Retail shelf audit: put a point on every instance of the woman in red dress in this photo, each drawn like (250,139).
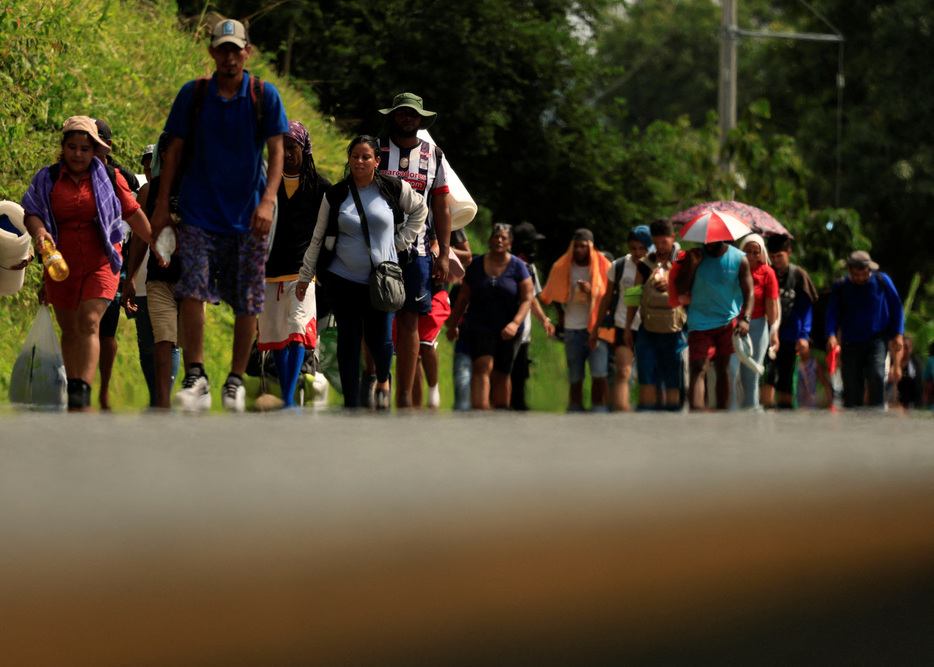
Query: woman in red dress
(77,205)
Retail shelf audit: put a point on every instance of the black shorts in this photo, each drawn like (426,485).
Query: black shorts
(483,343)
(619,341)
(111,316)
(780,371)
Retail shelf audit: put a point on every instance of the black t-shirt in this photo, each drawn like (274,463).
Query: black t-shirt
(295,225)
(172,272)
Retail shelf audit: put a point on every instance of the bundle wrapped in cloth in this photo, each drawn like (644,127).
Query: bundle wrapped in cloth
(15,246)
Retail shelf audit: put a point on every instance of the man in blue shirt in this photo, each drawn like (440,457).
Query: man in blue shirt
(866,311)
(225,202)
(720,281)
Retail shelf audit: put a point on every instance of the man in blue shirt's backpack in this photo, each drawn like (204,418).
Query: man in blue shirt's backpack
(866,311)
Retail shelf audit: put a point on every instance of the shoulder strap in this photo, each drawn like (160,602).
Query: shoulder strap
(112,175)
(619,266)
(362,213)
(197,105)
(791,277)
(258,97)
(194,110)
(393,192)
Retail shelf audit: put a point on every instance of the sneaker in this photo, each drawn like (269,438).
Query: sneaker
(233,395)
(433,399)
(195,394)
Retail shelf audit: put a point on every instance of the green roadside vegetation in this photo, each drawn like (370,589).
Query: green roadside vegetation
(125,62)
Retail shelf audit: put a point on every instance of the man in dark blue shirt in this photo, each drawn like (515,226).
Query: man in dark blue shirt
(225,201)
(866,311)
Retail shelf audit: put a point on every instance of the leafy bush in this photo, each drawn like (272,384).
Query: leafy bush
(124,62)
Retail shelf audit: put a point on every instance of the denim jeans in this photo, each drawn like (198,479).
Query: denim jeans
(463,371)
(577,352)
(862,366)
(743,376)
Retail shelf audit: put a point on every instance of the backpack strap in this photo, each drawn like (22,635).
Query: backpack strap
(194,110)
(112,175)
(393,191)
(258,97)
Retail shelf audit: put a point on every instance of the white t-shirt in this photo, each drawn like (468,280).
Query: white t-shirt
(577,309)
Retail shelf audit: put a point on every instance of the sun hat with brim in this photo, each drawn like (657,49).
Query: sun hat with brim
(412,101)
(860,259)
(147,152)
(86,124)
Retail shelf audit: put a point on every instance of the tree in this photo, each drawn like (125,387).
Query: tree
(512,81)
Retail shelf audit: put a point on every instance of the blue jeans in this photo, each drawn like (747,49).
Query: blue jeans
(358,319)
(863,366)
(577,352)
(463,372)
(747,378)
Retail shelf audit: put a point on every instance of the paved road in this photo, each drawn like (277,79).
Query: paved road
(329,538)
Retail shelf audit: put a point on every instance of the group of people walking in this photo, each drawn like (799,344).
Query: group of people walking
(744,307)
(222,223)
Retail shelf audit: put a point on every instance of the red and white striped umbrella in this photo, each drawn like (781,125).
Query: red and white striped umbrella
(712,226)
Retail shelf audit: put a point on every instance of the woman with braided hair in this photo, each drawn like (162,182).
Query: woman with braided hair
(287,325)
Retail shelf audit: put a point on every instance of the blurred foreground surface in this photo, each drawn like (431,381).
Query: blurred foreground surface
(326,538)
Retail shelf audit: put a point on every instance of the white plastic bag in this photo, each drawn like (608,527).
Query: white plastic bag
(39,372)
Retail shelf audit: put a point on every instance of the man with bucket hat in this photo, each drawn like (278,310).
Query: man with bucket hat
(407,156)
(226,196)
(866,312)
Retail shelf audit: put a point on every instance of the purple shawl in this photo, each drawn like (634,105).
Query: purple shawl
(37,201)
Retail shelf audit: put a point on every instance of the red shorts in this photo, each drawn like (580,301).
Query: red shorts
(429,324)
(712,343)
(89,272)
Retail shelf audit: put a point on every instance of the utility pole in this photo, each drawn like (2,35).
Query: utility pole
(730,35)
(727,101)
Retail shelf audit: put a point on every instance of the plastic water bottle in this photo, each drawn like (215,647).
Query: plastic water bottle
(54,262)
(165,244)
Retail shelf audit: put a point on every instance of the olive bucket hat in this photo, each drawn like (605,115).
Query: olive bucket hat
(412,101)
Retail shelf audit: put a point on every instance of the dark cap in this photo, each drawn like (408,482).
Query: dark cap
(583,234)
(525,234)
(103,129)
(860,259)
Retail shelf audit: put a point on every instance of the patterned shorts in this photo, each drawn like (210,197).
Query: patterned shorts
(228,267)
